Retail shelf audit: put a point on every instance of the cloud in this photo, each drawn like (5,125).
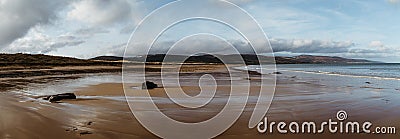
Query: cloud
(217,46)
(89,32)
(310,46)
(376,48)
(187,47)
(105,12)
(37,42)
(375,44)
(18,16)
(239,2)
(393,1)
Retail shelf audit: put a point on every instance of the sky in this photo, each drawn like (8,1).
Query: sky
(361,29)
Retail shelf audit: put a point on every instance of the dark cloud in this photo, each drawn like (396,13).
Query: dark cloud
(19,16)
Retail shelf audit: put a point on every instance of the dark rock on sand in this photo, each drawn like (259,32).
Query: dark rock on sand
(85,133)
(368,82)
(149,85)
(277,73)
(253,72)
(89,123)
(58,97)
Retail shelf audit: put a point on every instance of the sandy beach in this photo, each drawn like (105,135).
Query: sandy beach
(101,111)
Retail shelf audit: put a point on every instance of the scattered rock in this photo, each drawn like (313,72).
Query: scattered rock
(149,85)
(85,133)
(58,97)
(386,100)
(276,72)
(72,129)
(253,72)
(89,123)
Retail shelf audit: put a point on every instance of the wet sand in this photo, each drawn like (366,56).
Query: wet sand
(101,112)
